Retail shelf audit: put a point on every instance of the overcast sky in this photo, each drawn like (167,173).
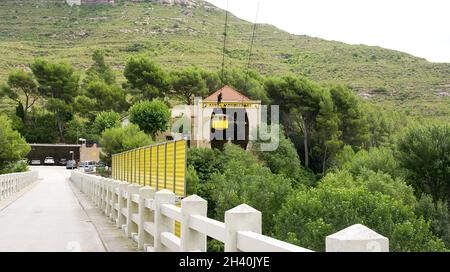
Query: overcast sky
(418,27)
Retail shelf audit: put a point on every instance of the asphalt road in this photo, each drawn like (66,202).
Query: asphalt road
(48,218)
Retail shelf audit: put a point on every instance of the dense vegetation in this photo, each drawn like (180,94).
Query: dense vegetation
(179,37)
(341,160)
(12,148)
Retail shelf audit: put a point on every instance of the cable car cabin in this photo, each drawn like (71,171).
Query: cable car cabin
(219,122)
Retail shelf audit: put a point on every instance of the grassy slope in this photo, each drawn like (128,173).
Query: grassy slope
(177,37)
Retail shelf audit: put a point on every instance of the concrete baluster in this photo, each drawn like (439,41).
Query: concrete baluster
(356,238)
(162,223)
(133,207)
(192,240)
(240,218)
(145,215)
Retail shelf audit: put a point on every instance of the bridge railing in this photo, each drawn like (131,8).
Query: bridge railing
(14,182)
(148,218)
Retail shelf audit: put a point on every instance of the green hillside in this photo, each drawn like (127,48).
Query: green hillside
(179,36)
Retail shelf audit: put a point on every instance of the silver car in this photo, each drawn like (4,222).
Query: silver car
(71,164)
(35,162)
(49,161)
(87,166)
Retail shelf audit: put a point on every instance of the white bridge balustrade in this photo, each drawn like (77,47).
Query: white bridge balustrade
(14,182)
(148,218)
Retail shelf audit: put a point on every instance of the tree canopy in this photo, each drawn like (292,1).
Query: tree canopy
(146,78)
(13,146)
(152,117)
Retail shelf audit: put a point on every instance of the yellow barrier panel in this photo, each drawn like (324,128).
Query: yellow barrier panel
(154,165)
(177,229)
(160,166)
(180,166)
(147,166)
(170,162)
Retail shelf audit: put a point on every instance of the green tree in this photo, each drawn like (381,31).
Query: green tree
(328,133)
(424,151)
(22,88)
(188,83)
(375,159)
(249,82)
(146,78)
(205,161)
(118,139)
(297,96)
(244,180)
(56,80)
(76,128)
(100,69)
(354,127)
(59,84)
(212,80)
(285,161)
(437,214)
(13,146)
(106,120)
(107,97)
(374,182)
(63,114)
(152,117)
(85,106)
(41,127)
(308,216)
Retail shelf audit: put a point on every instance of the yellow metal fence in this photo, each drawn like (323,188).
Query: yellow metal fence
(160,166)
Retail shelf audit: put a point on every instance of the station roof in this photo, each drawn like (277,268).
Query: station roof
(228,94)
(55,145)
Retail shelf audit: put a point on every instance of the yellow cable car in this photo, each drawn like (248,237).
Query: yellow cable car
(219,122)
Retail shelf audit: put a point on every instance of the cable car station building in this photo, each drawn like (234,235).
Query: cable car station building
(224,116)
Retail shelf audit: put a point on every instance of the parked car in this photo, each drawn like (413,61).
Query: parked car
(49,161)
(35,162)
(62,162)
(87,166)
(71,164)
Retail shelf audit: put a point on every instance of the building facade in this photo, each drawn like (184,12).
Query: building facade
(224,116)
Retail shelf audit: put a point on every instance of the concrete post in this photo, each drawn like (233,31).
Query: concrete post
(240,218)
(99,189)
(114,215)
(122,201)
(105,186)
(132,227)
(145,215)
(357,238)
(162,223)
(192,240)
(107,208)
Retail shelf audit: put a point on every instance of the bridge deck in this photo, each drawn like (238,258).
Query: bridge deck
(48,218)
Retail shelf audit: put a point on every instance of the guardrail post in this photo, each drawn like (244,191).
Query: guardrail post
(114,215)
(162,223)
(104,195)
(2,179)
(240,218)
(108,197)
(145,215)
(132,227)
(122,201)
(356,238)
(192,240)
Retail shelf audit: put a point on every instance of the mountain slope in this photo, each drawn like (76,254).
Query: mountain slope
(179,36)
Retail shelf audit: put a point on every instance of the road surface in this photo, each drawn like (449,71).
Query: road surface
(48,217)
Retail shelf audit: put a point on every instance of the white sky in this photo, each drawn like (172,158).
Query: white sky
(418,27)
